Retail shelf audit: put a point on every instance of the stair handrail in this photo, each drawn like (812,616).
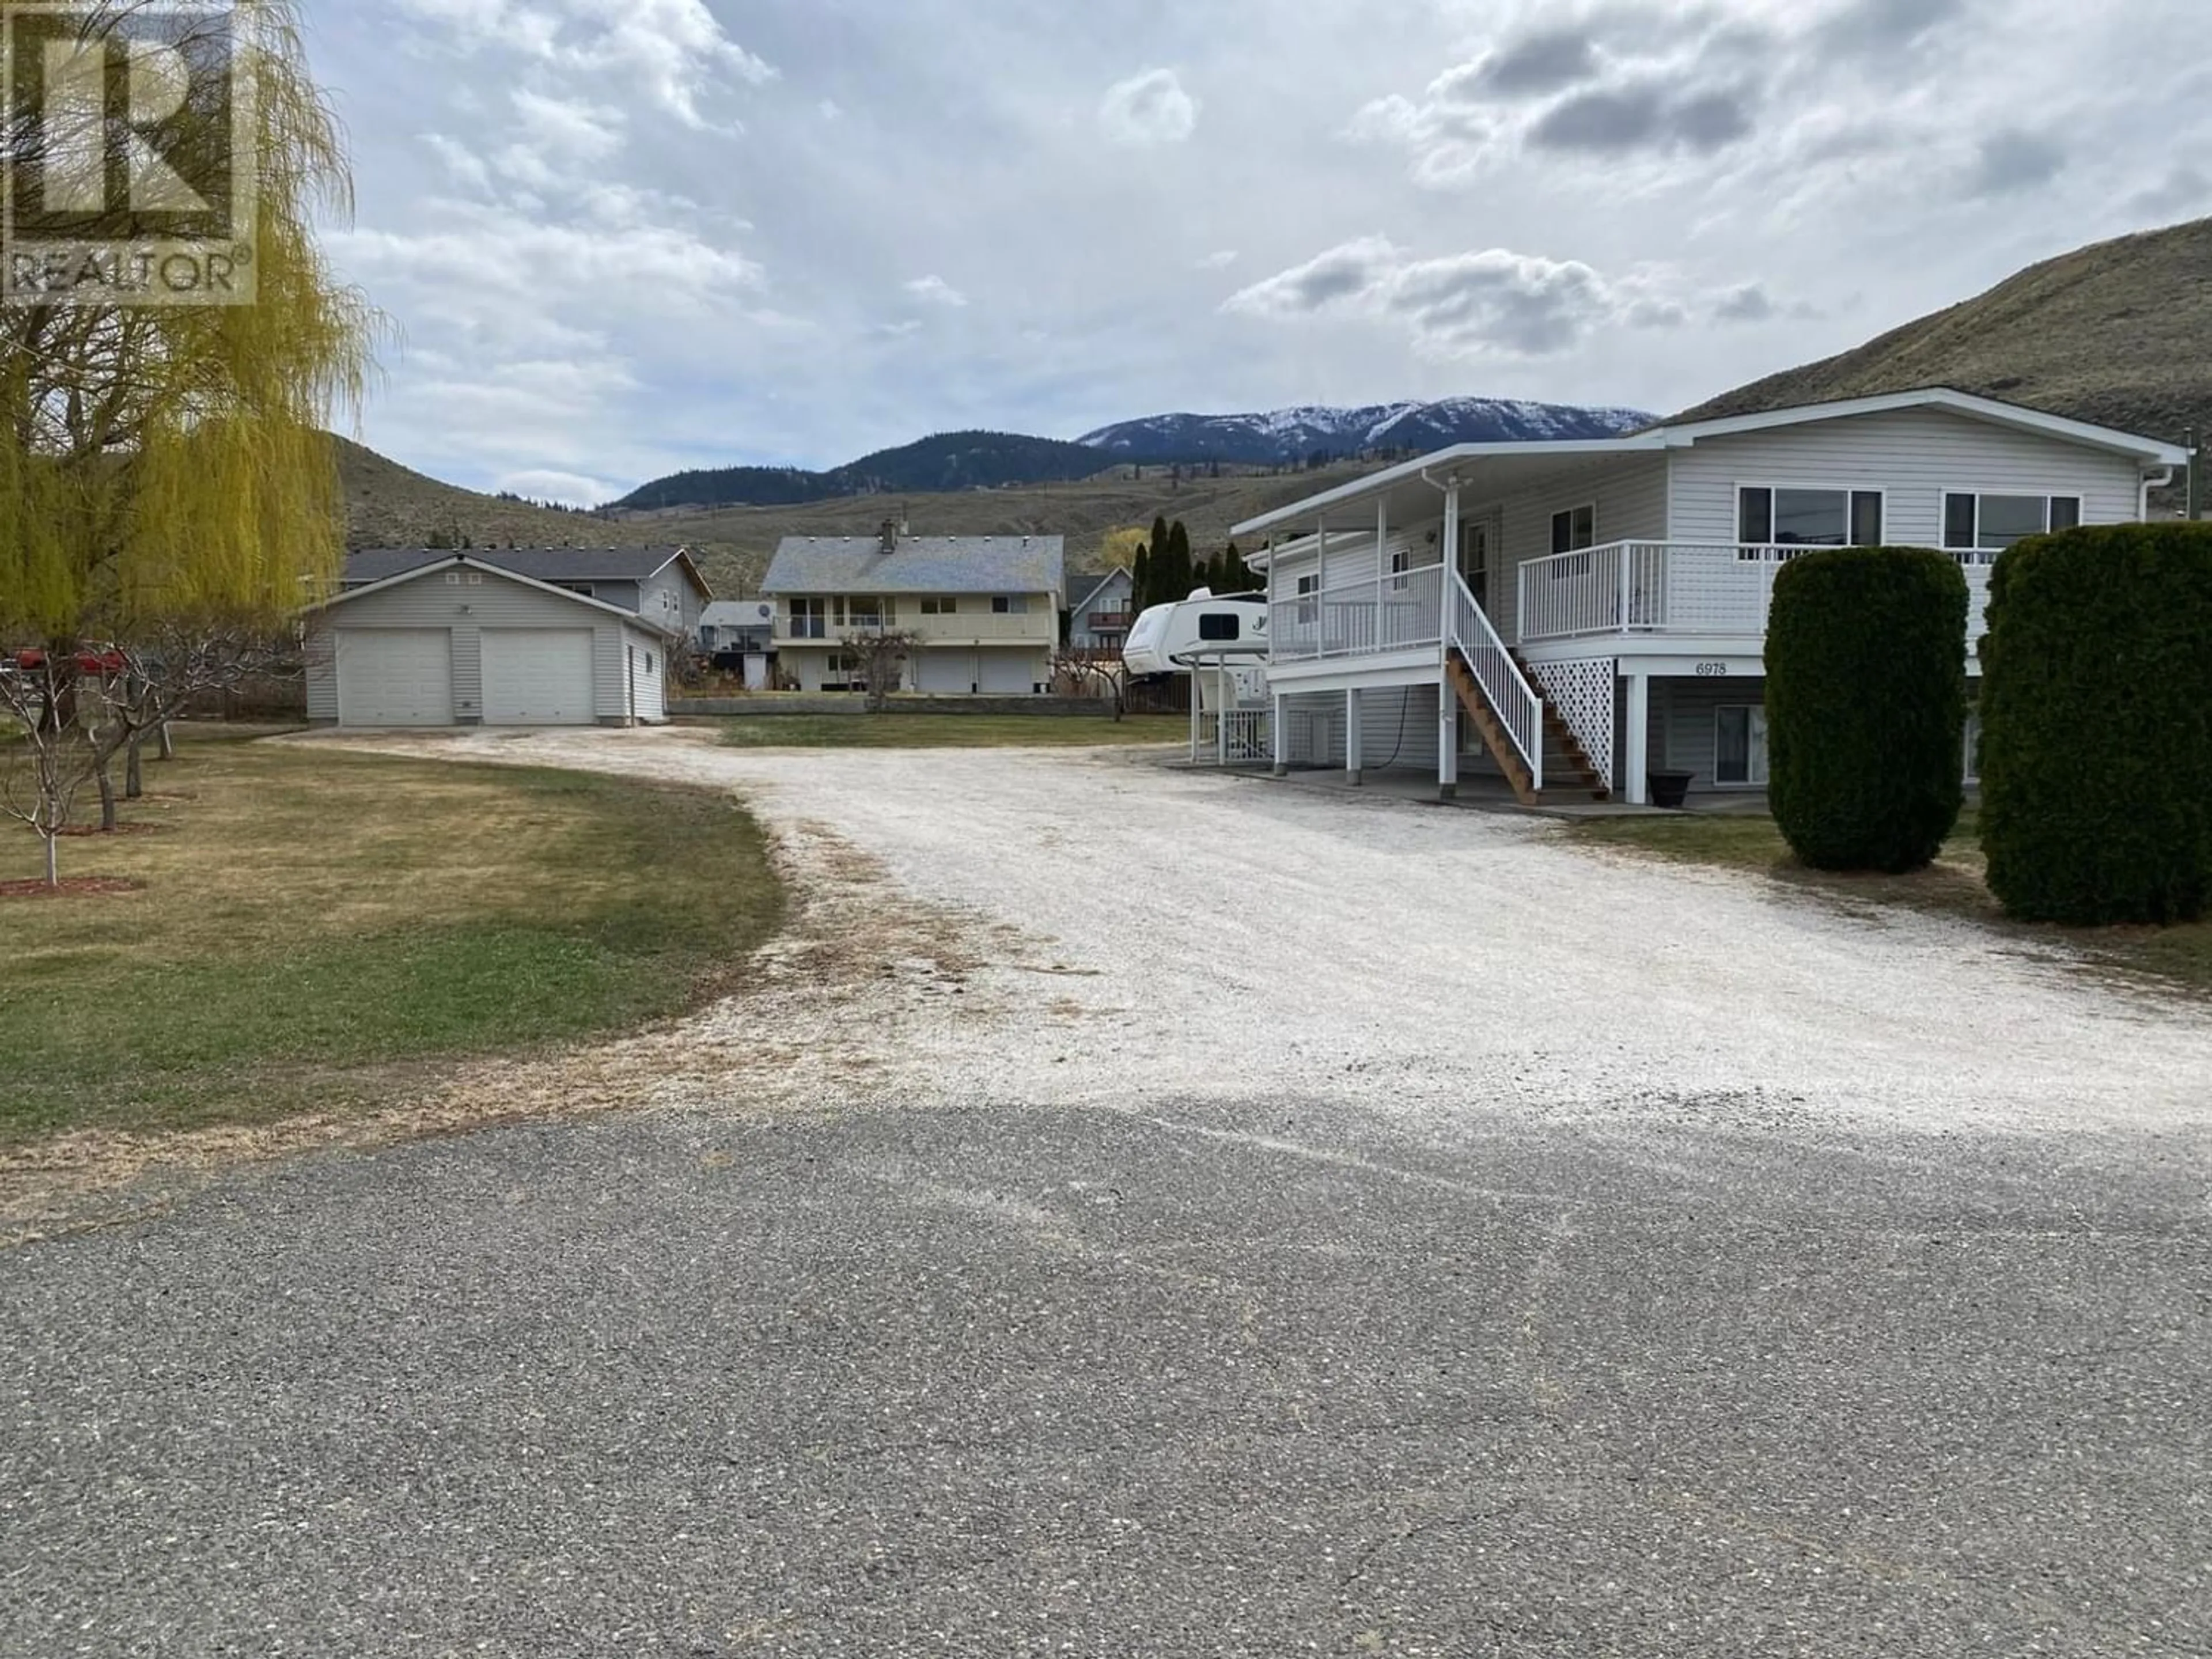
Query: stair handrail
(1515,702)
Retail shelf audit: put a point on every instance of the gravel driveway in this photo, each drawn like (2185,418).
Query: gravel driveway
(1143,1213)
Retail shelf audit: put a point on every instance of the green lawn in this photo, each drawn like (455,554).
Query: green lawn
(891,730)
(312,925)
(1955,884)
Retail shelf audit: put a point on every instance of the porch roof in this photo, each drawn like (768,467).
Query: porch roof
(1414,490)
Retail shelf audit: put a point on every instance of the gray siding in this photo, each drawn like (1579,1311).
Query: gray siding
(1913,455)
(431,600)
(1398,726)
(667,601)
(1682,737)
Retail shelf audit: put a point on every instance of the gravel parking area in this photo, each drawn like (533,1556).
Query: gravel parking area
(1148,1213)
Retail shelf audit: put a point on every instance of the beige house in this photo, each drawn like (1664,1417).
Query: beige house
(985,610)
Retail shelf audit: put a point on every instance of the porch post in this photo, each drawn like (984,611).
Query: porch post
(1447,740)
(1195,728)
(1320,588)
(1451,567)
(1381,565)
(1353,757)
(1278,731)
(1638,758)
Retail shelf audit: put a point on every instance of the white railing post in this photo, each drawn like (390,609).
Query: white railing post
(1381,565)
(1620,558)
(1444,596)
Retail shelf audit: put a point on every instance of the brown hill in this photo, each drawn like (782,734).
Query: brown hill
(2113,333)
(388,505)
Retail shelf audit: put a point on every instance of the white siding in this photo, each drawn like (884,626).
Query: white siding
(431,600)
(1630,494)
(1912,455)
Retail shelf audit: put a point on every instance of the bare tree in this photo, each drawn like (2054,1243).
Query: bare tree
(883,653)
(1092,675)
(45,750)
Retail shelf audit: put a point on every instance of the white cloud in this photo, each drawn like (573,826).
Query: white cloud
(566,489)
(674,51)
(936,291)
(1152,108)
(1220,261)
(1493,302)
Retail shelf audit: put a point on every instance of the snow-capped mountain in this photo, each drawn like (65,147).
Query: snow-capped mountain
(1283,437)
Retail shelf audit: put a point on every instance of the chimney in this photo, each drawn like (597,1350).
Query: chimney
(889,535)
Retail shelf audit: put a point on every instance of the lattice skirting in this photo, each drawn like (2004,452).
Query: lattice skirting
(1583,693)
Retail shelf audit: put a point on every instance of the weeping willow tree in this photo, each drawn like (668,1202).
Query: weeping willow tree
(165,468)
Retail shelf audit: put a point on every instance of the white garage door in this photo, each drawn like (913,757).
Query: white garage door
(947,673)
(395,676)
(1009,673)
(537,677)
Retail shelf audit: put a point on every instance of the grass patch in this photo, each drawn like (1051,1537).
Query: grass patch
(1953,885)
(897,731)
(311,925)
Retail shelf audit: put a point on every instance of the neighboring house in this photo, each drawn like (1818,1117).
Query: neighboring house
(740,625)
(659,583)
(739,636)
(465,643)
(1598,609)
(1099,621)
(986,609)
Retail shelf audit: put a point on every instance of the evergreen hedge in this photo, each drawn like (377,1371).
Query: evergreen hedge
(2096,725)
(1866,706)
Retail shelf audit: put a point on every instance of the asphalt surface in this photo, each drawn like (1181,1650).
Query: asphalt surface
(1257,1379)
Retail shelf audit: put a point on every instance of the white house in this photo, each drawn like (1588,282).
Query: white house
(1579,614)
(986,609)
(464,642)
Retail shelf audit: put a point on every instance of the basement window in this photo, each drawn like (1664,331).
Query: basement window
(1739,745)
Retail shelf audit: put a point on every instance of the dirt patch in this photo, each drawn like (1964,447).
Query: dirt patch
(71,887)
(91,831)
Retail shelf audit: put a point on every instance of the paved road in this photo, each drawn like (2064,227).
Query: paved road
(917,1365)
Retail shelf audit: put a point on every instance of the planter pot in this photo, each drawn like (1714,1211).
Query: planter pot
(1669,789)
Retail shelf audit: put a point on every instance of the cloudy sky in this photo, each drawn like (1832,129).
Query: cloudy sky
(619,237)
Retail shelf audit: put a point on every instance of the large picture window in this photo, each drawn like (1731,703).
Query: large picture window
(1768,516)
(810,619)
(1976,523)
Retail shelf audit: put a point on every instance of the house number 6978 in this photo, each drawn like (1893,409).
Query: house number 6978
(1713,670)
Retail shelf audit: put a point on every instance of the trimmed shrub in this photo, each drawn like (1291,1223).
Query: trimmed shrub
(2096,725)
(1866,706)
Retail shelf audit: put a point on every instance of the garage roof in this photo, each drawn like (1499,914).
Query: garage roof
(545,564)
(456,561)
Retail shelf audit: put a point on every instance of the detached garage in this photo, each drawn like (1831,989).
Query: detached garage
(462,643)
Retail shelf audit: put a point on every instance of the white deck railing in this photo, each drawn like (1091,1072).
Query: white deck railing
(1512,699)
(1233,736)
(1675,587)
(1359,619)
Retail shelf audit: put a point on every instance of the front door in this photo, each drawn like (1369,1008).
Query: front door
(1477,552)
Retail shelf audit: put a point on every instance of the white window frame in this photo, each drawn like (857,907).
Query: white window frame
(1746,548)
(1757,763)
(813,611)
(1010,604)
(1309,598)
(1979,554)
(1551,527)
(941,604)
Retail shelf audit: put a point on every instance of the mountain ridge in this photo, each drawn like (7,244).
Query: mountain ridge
(1286,438)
